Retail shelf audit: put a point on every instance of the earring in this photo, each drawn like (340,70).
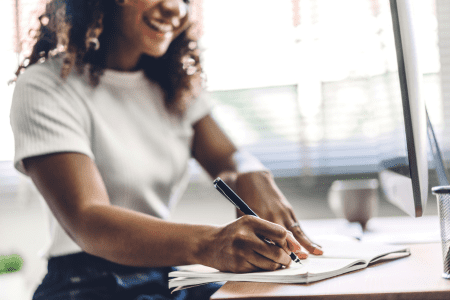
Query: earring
(92,34)
(93,43)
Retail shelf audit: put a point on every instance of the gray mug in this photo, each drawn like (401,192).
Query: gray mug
(355,200)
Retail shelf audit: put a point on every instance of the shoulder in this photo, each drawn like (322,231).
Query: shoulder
(45,80)
(48,71)
(198,108)
(40,88)
(47,75)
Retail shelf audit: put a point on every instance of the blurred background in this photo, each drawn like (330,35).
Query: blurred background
(310,87)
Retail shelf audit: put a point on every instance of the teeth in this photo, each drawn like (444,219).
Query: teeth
(163,27)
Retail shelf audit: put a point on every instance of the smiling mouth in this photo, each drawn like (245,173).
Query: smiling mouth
(158,26)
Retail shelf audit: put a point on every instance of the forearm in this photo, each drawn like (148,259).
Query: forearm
(136,239)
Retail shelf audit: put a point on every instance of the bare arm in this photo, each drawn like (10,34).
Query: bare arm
(214,151)
(74,190)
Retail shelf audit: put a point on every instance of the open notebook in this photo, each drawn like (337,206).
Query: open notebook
(339,258)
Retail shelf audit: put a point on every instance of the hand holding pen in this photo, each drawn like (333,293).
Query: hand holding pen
(229,194)
(239,246)
(261,193)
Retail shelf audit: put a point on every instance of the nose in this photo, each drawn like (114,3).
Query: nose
(174,8)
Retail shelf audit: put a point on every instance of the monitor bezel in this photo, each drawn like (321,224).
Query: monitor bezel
(414,111)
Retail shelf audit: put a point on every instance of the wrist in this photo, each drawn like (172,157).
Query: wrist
(254,178)
(258,190)
(201,244)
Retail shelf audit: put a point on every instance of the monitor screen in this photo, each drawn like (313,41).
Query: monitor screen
(405,179)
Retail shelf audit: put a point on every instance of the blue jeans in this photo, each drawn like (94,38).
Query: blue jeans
(83,276)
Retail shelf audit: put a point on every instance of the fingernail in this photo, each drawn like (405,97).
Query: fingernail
(317,251)
(301,254)
(294,242)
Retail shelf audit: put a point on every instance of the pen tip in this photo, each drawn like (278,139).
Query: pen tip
(295,258)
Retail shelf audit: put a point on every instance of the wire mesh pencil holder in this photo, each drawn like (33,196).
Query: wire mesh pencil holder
(443,198)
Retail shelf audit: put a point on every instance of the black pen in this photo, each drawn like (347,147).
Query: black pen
(228,193)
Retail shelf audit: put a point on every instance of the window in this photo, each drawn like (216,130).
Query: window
(308,86)
(311,87)
(9,63)
(15,16)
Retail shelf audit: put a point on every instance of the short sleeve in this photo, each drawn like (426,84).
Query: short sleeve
(46,117)
(198,109)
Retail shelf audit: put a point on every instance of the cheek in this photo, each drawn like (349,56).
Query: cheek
(131,27)
(143,5)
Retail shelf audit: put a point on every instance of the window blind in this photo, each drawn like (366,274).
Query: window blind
(320,96)
(310,87)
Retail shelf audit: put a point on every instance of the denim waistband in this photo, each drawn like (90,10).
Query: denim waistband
(84,276)
(81,260)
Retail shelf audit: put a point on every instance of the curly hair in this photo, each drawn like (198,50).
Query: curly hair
(66,26)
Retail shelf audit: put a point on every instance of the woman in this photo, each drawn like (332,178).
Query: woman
(105,115)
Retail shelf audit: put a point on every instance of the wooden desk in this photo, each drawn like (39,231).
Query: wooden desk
(414,277)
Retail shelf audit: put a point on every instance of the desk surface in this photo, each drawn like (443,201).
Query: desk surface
(414,277)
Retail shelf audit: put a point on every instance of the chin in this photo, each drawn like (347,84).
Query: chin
(156,50)
(155,55)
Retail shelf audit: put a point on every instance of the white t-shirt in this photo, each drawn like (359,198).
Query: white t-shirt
(140,149)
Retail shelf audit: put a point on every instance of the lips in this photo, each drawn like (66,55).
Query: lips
(158,26)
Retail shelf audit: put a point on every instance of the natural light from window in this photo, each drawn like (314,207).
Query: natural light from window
(9,63)
(250,44)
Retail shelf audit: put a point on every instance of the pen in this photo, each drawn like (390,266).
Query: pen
(228,193)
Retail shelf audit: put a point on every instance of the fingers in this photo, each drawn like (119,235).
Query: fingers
(258,256)
(268,230)
(310,246)
(250,250)
(292,244)
(303,239)
(295,246)
(263,261)
(272,254)
(276,235)
(246,267)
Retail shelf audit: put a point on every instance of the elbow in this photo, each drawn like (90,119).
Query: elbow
(82,230)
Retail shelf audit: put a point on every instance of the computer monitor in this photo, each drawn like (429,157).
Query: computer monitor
(405,180)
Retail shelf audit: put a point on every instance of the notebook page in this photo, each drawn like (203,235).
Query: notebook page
(355,250)
(319,265)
